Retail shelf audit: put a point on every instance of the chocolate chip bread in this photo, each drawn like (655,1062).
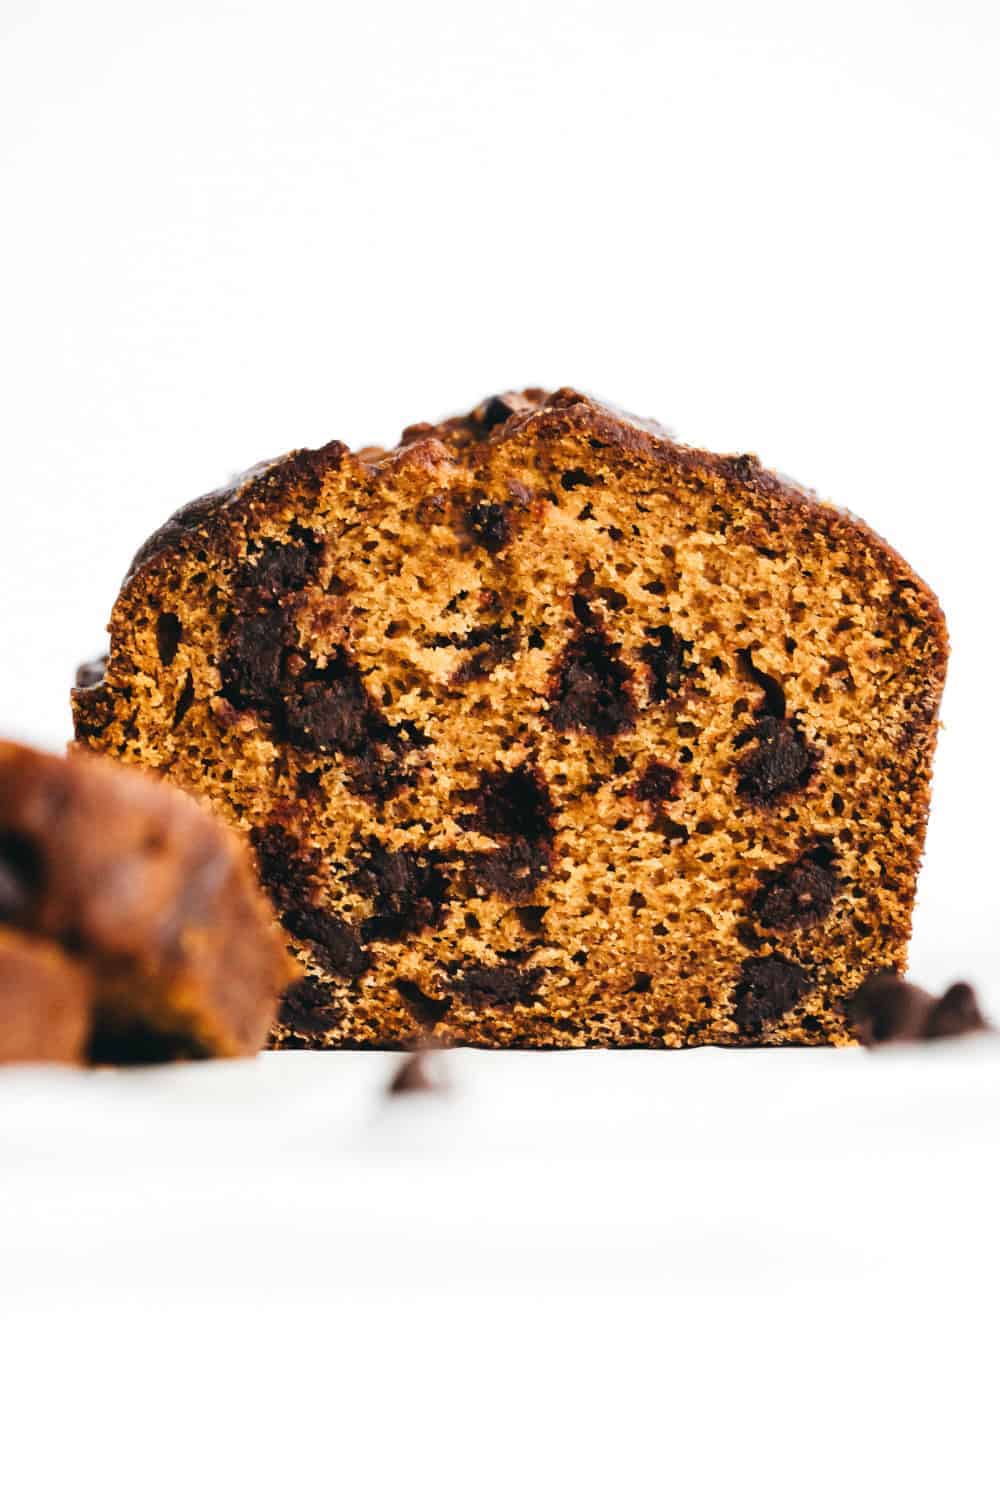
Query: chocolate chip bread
(547,730)
(131,925)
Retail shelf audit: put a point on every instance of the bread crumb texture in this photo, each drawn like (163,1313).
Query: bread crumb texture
(547,731)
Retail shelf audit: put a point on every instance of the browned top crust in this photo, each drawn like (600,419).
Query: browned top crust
(548,415)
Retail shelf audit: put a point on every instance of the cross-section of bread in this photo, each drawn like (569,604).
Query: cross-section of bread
(131,925)
(547,730)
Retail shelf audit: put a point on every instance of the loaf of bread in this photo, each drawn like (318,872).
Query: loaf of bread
(547,730)
(132,927)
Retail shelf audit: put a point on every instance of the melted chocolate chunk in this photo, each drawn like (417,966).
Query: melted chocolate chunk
(423,1007)
(168,636)
(251,670)
(515,804)
(281,568)
(308,1007)
(280,865)
(489,524)
(887,1008)
(513,870)
(663,654)
(334,940)
(782,762)
(592,686)
(774,693)
(332,711)
(496,643)
(500,985)
(658,783)
(798,894)
(767,988)
(408,889)
(21,877)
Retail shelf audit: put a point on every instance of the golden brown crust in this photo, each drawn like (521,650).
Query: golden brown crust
(150,895)
(550,731)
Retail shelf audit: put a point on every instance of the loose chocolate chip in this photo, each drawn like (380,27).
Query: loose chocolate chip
(774,693)
(413,1076)
(766,989)
(574,478)
(783,761)
(512,871)
(185,698)
(663,654)
(308,1007)
(281,568)
(592,686)
(489,524)
(21,874)
(251,668)
(887,1008)
(90,673)
(658,783)
(799,894)
(500,985)
(515,804)
(335,942)
(424,1008)
(168,636)
(956,1013)
(408,889)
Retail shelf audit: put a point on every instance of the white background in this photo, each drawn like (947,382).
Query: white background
(235,228)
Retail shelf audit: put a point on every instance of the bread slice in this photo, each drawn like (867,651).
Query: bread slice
(548,731)
(132,928)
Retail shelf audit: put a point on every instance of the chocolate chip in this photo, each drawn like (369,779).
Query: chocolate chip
(251,668)
(495,412)
(334,940)
(663,654)
(413,1076)
(767,988)
(280,864)
(887,1008)
(168,636)
(21,875)
(333,711)
(90,673)
(489,524)
(574,478)
(424,1008)
(515,804)
(956,1013)
(799,894)
(592,686)
(308,1007)
(501,985)
(408,889)
(512,871)
(658,783)
(281,568)
(185,698)
(783,761)
(774,693)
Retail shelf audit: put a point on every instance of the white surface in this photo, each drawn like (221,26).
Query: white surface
(584,1274)
(238,227)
